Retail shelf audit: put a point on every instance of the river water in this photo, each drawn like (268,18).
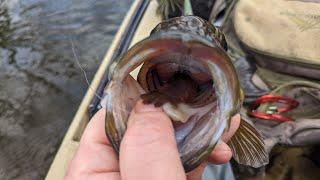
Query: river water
(41,84)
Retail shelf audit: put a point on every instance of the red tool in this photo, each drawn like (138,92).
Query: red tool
(275,114)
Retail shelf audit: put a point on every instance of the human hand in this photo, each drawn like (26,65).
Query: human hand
(147,151)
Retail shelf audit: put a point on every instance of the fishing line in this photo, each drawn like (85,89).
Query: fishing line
(76,58)
(82,69)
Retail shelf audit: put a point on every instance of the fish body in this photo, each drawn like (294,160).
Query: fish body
(185,70)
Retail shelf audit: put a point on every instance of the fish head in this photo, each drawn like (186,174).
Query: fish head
(185,70)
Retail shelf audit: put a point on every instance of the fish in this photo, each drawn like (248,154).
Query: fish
(185,70)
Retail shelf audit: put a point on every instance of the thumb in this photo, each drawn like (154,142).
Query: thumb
(148,149)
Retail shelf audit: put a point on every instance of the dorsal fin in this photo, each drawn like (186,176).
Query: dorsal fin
(221,38)
(165,7)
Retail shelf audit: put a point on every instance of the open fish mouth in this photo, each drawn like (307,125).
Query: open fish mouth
(186,71)
(176,77)
(181,83)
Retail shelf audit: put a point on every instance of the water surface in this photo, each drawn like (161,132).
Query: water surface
(41,84)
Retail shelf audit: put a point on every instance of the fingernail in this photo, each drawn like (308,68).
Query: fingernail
(222,146)
(141,107)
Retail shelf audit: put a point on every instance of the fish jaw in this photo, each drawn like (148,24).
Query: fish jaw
(120,98)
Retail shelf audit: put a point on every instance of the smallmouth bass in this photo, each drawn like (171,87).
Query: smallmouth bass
(186,71)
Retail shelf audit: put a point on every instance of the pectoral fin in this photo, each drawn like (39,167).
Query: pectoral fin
(248,147)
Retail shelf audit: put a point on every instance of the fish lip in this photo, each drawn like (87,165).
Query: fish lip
(152,46)
(187,52)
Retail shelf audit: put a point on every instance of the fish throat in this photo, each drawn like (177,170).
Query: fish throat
(175,79)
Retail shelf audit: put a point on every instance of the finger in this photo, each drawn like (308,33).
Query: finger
(148,149)
(221,154)
(196,174)
(234,125)
(95,156)
(95,131)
